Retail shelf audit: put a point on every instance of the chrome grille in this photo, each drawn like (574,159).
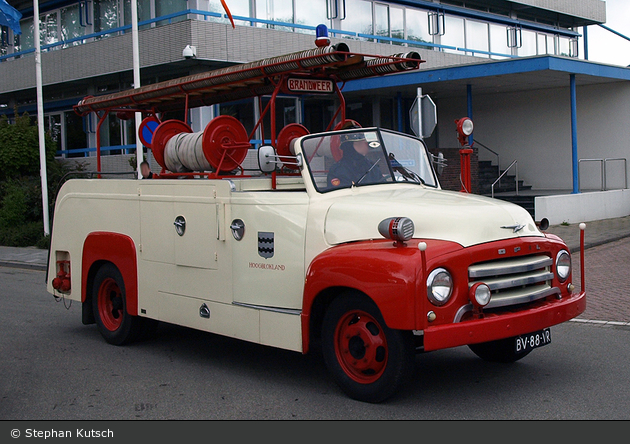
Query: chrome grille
(515,280)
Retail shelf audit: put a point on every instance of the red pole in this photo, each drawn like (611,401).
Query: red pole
(466,181)
(98,141)
(582,228)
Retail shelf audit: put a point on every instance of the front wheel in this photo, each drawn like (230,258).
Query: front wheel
(109,304)
(368,360)
(501,350)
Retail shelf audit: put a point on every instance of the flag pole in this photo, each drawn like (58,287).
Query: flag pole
(136,80)
(40,118)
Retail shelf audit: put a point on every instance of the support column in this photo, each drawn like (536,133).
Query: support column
(470,109)
(399,111)
(376,111)
(574,145)
(585,40)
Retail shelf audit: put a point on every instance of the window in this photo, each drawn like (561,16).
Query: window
(381,20)
(418,26)
(144,12)
(563,46)
(453,34)
(275,11)
(48,28)
(105,15)
(52,126)
(389,21)
(48,32)
(166,7)
(498,41)
(72,25)
(311,13)
(75,136)
(358,17)
(4,40)
(477,37)
(397,23)
(528,43)
(239,8)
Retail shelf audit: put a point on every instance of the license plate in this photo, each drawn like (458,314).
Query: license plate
(533,340)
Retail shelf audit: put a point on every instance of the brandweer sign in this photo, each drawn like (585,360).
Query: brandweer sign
(310,85)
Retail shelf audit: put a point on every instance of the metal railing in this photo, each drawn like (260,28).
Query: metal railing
(253,22)
(602,172)
(515,163)
(476,142)
(625,170)
(603,175)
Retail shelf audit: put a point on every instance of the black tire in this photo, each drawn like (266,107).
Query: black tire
(369,361)
(498,351)
(109,304)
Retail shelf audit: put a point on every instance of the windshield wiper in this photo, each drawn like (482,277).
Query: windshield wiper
(405,172)
(366,173)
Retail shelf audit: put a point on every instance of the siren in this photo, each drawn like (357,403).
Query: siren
(321,36)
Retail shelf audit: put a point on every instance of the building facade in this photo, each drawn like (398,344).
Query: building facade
(510,65)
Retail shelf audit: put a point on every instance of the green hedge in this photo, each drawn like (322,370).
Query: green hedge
(21,210)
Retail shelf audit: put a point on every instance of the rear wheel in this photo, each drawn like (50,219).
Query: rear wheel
(368,360)
(498,351)
(109,303)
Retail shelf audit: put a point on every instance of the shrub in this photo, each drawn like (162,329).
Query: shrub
(19,147)
(21,210)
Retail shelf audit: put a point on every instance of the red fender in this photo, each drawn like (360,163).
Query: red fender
(118,249)
(392,276)
(385,273)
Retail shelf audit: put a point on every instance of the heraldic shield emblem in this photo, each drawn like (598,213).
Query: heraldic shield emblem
(265,244)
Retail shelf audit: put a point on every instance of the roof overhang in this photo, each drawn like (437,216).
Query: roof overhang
(504,76)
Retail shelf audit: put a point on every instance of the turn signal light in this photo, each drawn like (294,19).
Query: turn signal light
(480,294)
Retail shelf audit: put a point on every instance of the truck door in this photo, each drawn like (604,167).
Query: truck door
(268,262)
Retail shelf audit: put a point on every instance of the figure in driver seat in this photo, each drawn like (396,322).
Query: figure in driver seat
(353,167)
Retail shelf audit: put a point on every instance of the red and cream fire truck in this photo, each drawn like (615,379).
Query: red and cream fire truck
(375,268)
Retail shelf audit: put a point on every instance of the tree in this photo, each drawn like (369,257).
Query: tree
(21,222)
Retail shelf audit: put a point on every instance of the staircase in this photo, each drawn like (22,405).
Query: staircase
(506,188)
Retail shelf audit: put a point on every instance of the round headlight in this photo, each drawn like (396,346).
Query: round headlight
(563,265)
(439,286)
(467,127)
(480,294)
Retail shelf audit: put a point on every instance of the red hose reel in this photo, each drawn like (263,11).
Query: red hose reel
(224,144)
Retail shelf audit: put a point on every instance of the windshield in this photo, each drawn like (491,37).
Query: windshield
(366,157)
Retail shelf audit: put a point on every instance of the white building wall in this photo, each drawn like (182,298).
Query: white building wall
(534,127)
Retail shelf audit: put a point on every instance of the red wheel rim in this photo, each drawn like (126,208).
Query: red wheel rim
(361,347)
(110,304)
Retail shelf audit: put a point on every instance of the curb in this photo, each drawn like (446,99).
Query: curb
(23,265)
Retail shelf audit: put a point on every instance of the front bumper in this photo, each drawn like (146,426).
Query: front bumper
(500,326)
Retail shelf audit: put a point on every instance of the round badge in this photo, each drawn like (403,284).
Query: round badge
(374,144)
(335,182)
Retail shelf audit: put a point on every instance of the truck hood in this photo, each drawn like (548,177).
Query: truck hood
(467,219)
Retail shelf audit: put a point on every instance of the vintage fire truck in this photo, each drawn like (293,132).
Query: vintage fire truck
(373,268)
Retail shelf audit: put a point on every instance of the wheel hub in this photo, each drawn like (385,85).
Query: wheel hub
(361,347)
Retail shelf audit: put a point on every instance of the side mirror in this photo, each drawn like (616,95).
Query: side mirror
(439,162)
(267,158)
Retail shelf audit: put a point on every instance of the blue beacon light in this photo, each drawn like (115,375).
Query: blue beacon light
(321,36)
